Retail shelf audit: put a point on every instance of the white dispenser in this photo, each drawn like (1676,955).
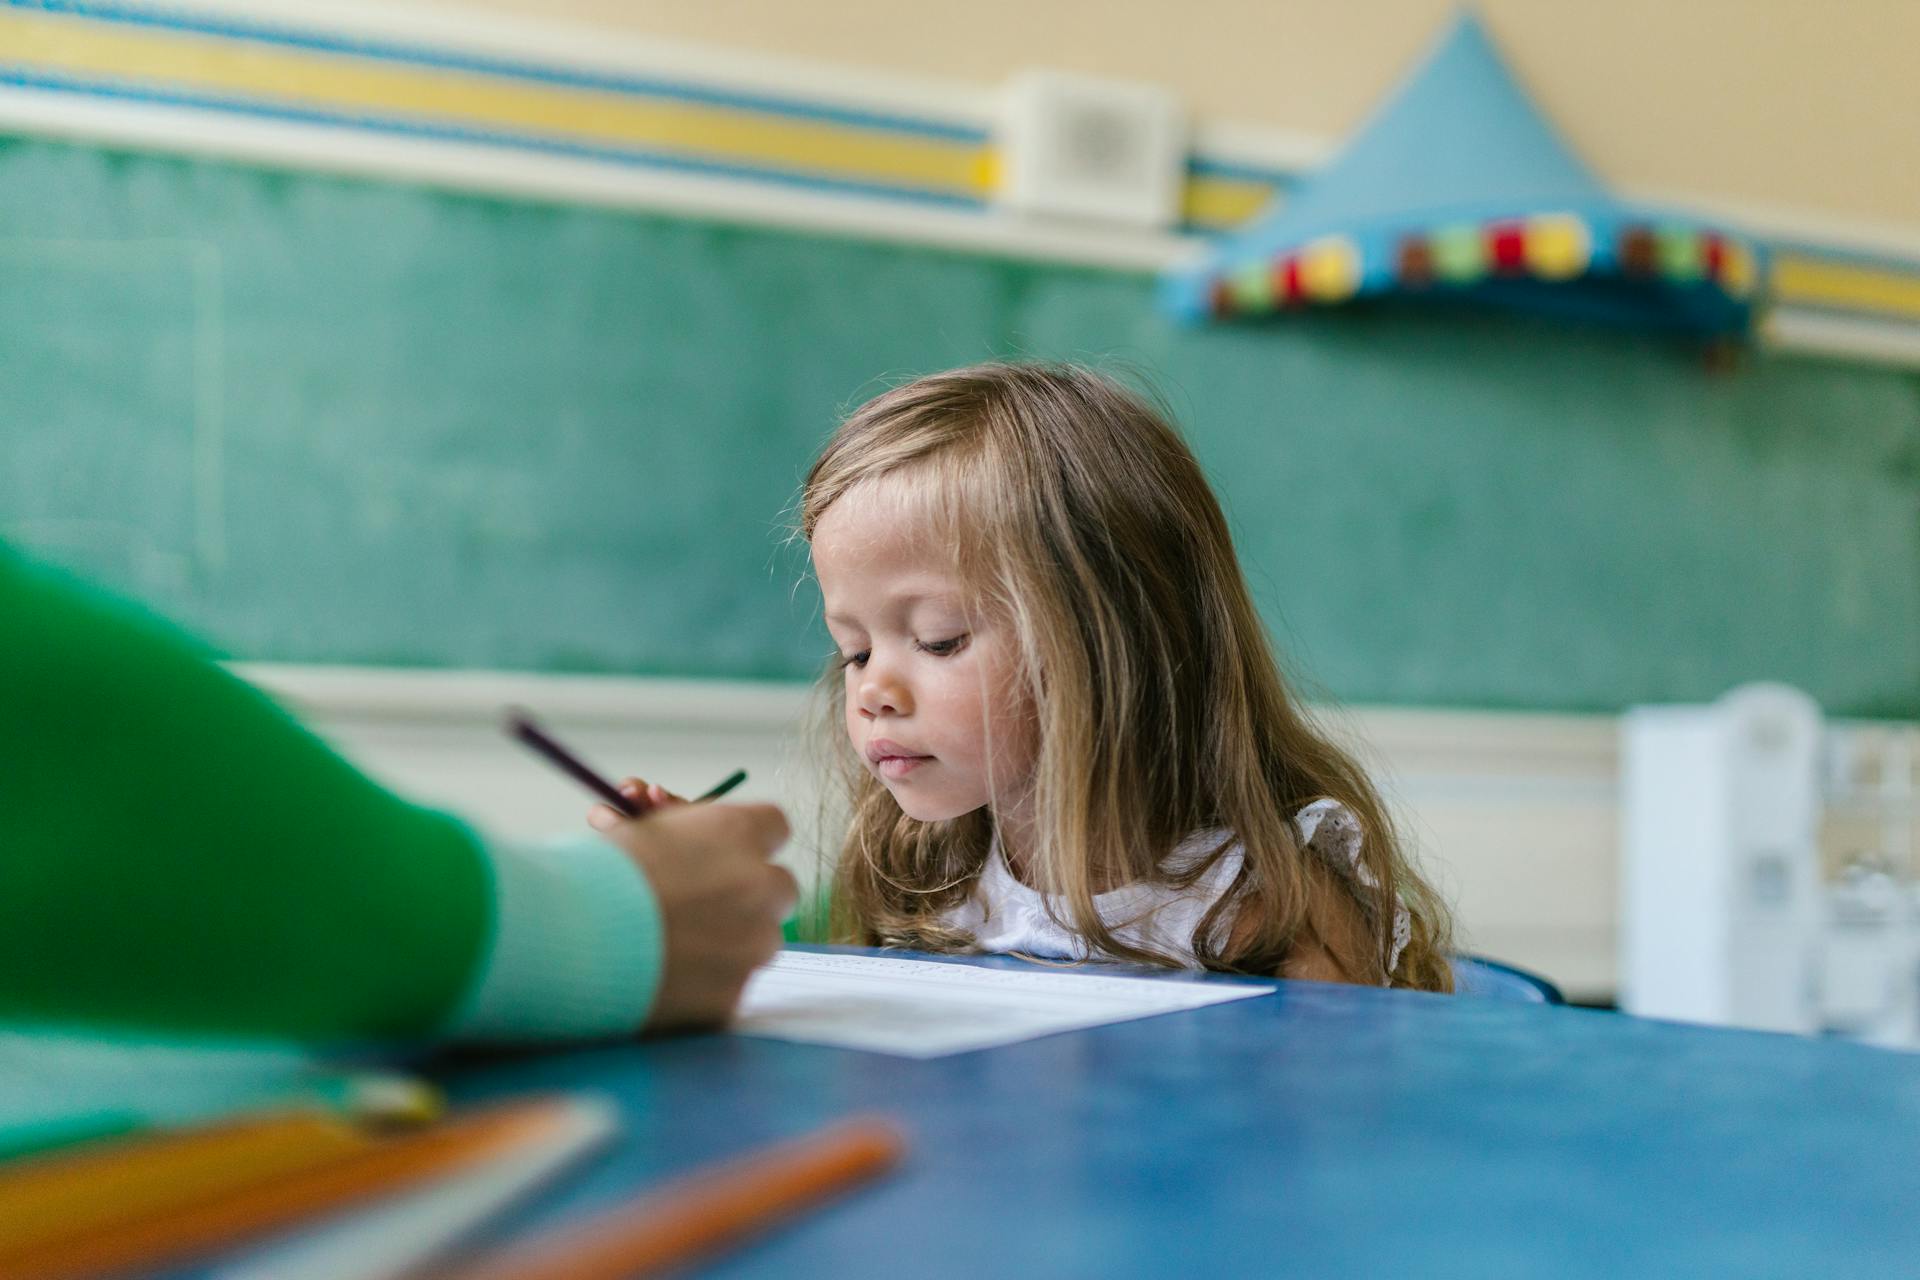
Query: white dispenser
(1721,861)
(1768,868)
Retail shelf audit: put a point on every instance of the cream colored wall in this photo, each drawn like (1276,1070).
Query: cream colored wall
(1794,106)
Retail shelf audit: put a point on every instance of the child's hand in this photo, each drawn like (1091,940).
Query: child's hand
(644,796)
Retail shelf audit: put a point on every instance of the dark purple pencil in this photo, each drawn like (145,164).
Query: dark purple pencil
(521,726)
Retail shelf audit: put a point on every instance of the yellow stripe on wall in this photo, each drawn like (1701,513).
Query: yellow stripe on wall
(1224,203)
(308,79)
(1826,282)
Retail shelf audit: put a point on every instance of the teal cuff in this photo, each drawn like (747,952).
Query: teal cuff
(577,946)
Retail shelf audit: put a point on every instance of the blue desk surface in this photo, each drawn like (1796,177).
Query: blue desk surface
(1319,1131)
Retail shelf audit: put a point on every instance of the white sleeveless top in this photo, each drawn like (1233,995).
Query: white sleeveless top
(1006,915)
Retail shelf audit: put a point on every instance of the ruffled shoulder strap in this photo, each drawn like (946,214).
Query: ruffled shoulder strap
(1329,829)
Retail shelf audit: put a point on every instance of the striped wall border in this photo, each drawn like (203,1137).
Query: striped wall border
(498,107)
(1845,303)
(127,53)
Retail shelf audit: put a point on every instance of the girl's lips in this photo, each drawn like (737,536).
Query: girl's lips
(899,766)
(892,760)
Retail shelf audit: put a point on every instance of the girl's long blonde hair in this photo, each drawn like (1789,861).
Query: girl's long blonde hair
(1077,512)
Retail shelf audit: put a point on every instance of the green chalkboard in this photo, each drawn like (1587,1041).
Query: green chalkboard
(325,419)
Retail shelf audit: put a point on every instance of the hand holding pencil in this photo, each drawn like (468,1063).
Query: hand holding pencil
(723,899)
(720,896)
(644,796)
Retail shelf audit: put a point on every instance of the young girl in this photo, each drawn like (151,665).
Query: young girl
(1069,734)
(1064,731)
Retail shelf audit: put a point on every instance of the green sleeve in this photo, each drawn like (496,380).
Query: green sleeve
(176,852)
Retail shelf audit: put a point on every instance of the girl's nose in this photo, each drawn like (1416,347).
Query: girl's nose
(883,696)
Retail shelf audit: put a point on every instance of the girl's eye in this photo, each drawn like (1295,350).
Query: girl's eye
(943,648)
(853,660)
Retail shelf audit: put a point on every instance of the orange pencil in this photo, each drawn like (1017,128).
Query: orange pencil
(703,1212)
(101,1185)
(235,1214)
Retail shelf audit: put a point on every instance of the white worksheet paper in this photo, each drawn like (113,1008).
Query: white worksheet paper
(924,1009)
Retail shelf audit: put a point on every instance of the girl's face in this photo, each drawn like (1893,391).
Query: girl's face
(933,700)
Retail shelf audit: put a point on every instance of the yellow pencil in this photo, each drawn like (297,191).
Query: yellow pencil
(296,1167)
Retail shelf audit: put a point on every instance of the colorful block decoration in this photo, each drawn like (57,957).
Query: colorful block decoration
(1561,247)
